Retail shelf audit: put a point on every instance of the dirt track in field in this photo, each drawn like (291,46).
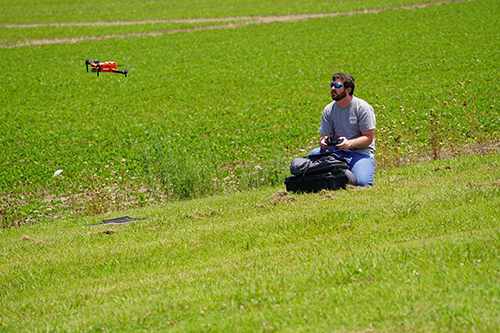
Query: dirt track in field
(241,22)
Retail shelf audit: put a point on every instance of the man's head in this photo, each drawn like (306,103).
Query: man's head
(347,82)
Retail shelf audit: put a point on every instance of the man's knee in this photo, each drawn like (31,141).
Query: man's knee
(365,181)
(364,170)
(315,151)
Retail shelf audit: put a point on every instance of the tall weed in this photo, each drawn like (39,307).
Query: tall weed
(181,173)
(176,172)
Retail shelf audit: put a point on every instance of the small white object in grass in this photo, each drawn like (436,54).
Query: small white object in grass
(57,173)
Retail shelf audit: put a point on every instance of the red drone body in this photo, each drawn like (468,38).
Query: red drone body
(105,67)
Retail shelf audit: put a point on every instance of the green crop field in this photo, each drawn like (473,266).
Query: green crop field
(221,110)
(198,138)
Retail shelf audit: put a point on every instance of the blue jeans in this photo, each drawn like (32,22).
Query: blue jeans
(361,165)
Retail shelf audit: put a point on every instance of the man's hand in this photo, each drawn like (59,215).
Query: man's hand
(345,144)
(363,141)
(322,142)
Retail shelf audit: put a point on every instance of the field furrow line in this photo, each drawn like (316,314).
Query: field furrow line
(241,22)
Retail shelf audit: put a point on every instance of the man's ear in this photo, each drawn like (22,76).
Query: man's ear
(348,91)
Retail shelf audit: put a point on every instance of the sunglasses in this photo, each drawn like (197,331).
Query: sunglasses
(336,85)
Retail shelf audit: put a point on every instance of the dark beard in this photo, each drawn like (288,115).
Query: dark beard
(340,96)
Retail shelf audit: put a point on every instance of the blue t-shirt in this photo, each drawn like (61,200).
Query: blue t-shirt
(358,117)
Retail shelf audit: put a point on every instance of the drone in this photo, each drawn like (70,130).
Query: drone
(105,67)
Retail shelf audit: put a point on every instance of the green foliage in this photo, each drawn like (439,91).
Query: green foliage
(72,11)
(72,32)
(184,175)
(223,111)
(236,105)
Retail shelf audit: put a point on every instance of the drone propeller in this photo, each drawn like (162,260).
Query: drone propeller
(88,61)
(97,69)
(124,72)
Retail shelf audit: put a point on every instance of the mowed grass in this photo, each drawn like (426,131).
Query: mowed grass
(226,110)
(419,252)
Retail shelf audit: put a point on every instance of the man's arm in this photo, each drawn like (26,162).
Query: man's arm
(360,142)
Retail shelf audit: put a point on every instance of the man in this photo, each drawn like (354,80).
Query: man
(352,121)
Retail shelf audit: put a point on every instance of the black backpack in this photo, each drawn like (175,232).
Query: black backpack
(313,173)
